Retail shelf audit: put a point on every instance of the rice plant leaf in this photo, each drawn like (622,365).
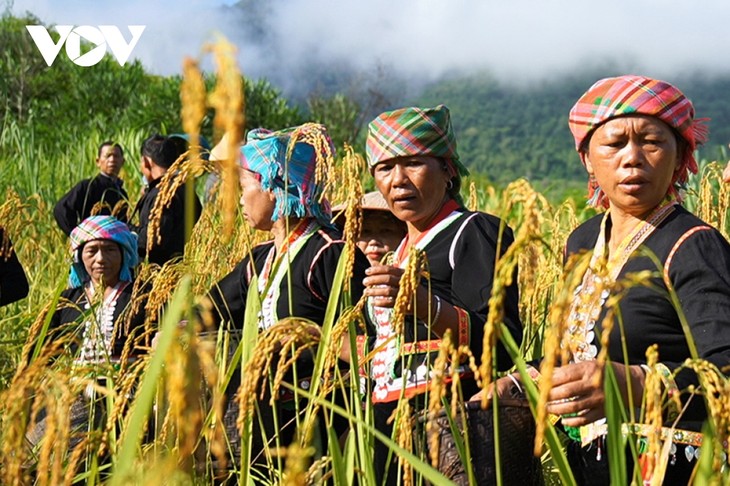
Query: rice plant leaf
(704,473)
(247,346)
(338,464)
(615,416)
(551,436)
(426,470)
(146,393)
(46,322)
(349,459)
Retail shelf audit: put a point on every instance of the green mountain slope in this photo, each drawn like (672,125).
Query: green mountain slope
(507,132)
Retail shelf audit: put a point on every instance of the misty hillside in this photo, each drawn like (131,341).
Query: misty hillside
(507,132)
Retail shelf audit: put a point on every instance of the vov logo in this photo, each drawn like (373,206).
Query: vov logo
(101,37)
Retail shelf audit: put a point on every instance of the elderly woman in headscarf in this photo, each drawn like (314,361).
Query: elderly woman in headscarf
(295,271)
(636,137)
(101,280)
(95,316)
(412,156)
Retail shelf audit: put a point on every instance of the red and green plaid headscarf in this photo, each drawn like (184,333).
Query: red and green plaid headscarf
(412,132)
(637,95)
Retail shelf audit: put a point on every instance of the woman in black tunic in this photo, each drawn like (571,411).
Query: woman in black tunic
(95,315)
(636,137)
(412,156)
(295,271)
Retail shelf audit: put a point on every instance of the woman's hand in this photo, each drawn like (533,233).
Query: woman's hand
(382,284)
(578,397)
(509,392)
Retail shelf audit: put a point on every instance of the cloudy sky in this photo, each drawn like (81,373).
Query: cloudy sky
(518,40)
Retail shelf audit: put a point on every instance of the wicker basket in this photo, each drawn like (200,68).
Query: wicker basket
(516,440)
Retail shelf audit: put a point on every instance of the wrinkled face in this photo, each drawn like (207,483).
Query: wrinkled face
(413,187)
(110,161)
(379,235)
(258,205)
(102,260)
(633,159)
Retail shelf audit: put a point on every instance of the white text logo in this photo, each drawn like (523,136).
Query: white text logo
(101,37)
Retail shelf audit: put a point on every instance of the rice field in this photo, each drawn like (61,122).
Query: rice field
(164,422)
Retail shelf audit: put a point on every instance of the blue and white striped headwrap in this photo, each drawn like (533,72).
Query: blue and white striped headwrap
(287,162)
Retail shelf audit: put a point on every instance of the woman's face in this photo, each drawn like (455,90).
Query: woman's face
(633,159)
(413,187)
(258,205)
(102,260)
(379,235)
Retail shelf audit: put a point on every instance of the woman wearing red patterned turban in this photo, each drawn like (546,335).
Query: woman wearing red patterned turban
(412,156)
(636,138)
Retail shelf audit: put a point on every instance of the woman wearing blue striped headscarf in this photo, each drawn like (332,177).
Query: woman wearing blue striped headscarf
(282,176)
(97,314)
(95,318)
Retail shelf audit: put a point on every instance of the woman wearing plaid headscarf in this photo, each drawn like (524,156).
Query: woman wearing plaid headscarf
(104,254)
(95,316)
(636,137)
(282,178)
(413,158)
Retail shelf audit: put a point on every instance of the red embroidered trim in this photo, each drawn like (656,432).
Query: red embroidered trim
(412,391)
(675,248)
(421,347)
(464,326)
(330,242)
(449,207)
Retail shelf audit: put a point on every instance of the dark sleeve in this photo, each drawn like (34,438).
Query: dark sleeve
(473,277)
(145,208)
(172,228)
(228,297)
(321,279)
(70,206)
(13,282)
(68,312)
(700,273)
(131,319)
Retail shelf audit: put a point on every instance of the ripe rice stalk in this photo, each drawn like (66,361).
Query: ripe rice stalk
(351,165)
(227,99)
(521,197)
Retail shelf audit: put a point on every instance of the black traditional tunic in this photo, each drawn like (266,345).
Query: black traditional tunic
(74,315)
(172,224)
(461,249)
(98,336)
(695,258)
(77,204)
(13,282)
(311,273)
(308,264)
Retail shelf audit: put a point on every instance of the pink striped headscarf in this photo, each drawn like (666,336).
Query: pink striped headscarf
(637,95)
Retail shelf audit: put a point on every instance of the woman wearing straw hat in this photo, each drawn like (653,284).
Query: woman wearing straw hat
(412,156)
(282,193)
(636,137)
(381,231)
